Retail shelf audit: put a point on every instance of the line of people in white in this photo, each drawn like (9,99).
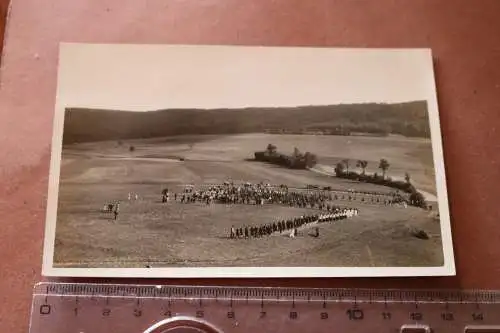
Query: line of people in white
(282,225)
(347,212)
(340,214)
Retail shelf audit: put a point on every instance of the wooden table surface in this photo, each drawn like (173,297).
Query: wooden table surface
(464,36)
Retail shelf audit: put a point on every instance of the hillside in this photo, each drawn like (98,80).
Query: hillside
(84,125)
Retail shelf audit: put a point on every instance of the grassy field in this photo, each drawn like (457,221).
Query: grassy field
(175,234)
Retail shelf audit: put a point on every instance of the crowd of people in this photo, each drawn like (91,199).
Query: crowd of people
(291,224)
(252,194)
(112,207)
(260,194)
(382,199)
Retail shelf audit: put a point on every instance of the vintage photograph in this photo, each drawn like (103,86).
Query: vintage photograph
(232,161)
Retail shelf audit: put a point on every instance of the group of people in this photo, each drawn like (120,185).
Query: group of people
(260,194)
(252,194)
(291,224)
(256,194)
(373,199)
(112,207)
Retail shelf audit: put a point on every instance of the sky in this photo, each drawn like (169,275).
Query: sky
(152,77)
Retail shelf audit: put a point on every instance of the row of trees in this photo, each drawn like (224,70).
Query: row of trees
(343,166)
(296,160)
(342,170)
(299,160)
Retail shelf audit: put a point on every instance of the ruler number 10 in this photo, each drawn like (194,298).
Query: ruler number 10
(355,314)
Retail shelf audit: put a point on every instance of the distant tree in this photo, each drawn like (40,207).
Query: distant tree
(417,199)
(362,164)
(131,148)
(297,153)
(407,178)
(339,168)
(310,159)
(384,166)
(346,164)
(271,149)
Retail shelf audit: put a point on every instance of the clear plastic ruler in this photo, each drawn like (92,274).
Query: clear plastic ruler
(105,308)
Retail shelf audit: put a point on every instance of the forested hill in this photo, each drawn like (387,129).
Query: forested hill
(410,119)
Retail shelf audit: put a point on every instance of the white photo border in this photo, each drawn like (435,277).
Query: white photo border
(447,269)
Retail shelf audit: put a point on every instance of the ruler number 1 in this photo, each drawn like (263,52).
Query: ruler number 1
(448,316)
(416,316)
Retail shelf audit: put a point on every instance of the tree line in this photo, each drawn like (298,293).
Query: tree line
(297,160)
(88,125)
(342,171)
(346,128)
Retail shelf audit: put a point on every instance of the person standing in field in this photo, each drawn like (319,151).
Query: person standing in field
(164,195)
(116,210)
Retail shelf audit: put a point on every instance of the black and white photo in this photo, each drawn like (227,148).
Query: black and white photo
(239,161)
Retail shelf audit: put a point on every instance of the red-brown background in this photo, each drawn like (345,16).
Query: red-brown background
(3,14)
(464,37)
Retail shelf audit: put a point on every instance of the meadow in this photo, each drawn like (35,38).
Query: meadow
(148,232)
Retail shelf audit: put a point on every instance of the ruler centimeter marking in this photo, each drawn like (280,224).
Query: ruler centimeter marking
(102,308)
(267,293)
